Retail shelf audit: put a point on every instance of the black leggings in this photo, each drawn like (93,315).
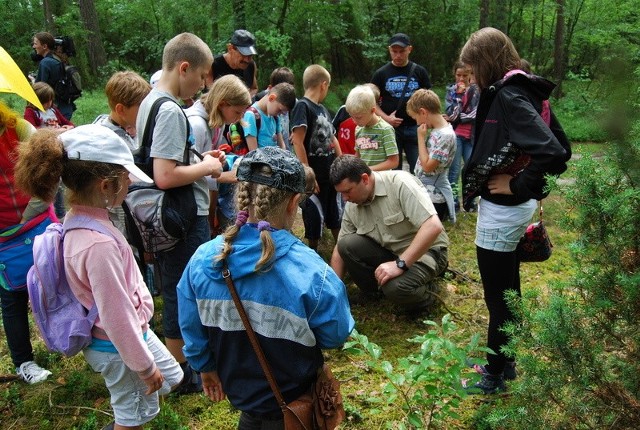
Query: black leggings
(500,272)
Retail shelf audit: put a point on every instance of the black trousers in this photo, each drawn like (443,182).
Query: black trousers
(500,272)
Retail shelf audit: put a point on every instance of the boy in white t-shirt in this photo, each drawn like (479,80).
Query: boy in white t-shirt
(435,153)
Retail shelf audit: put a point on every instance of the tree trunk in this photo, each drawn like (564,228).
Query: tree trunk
(49,23)
(95,48)
(239,14)
(484,13)
(215,28)
(283,14)
(558,47)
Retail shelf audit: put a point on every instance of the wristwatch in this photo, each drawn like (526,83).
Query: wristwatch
(401,264)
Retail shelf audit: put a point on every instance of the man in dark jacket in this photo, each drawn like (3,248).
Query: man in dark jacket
(50,69)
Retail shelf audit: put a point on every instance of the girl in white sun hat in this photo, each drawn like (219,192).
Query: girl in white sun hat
(95,166)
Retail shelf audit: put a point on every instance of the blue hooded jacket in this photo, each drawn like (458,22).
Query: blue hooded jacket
(297,307)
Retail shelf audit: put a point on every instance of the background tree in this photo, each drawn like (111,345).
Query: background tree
(95,48)
(347,36)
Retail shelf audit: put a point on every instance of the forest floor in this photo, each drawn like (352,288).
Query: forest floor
(75,397)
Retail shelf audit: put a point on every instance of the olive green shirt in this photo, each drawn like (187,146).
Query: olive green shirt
(399,208)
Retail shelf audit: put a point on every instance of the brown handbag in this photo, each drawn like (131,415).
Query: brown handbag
(320,408)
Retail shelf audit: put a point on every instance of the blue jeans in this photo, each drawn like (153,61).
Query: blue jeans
(15,319)
(407,140)
(172,263)
(463,152)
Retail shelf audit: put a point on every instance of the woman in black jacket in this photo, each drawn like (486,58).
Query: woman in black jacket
(518,142)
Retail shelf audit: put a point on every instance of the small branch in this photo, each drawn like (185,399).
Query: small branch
(51,405)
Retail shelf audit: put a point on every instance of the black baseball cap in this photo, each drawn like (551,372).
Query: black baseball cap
(400,39)
(287,172)
(244,41)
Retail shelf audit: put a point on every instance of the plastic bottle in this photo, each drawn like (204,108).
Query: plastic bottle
(236,139)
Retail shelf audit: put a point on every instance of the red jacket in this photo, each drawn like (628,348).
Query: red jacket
(12,201)
(34,116)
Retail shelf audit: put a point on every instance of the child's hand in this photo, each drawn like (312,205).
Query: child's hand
(212,386)
(217,153)
(214,164)
(422,132)
(154,382)
(499,184)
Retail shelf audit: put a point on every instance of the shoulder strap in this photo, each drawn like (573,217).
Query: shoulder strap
(147,136)
(257,116)
(406,84)
(226,274)
(85,222)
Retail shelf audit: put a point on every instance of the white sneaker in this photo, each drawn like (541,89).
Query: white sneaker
(32,373)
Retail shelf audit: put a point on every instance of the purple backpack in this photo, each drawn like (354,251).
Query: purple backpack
(65,325)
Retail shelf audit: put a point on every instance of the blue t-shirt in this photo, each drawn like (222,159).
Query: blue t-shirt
(269,127)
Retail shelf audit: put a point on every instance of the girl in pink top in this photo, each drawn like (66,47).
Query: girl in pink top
(95,164)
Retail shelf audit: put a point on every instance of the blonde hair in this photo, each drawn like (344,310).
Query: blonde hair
(375,89)
(491,54)
(268,204)
(186,47)
(42,161)
(314,75)
(230,89)
(44,92)
(360,100)
(127,88)
(425,99)
(8,118)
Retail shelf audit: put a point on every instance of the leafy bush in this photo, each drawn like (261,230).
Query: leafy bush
(426,384)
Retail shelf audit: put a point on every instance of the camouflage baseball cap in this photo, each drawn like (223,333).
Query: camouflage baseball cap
(287,172)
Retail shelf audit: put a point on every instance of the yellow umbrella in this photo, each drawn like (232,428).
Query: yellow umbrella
(12,80)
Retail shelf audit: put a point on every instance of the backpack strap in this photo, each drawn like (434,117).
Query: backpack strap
(80,222)
(258,118)
(144,150)
(406,85)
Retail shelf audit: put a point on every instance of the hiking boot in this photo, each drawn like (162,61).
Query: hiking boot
(191,383)
(31,373)
(509,372)
(488,384)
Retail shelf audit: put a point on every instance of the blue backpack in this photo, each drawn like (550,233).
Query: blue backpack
(65,325)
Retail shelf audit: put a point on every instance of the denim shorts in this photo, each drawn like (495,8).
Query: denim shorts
(131,407)
(499,228)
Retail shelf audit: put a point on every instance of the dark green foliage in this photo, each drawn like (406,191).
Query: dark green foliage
(579,342)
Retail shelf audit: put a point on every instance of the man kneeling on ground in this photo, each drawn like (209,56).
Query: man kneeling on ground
(391,239)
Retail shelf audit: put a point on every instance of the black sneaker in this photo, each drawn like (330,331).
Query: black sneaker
(191,383)
(509,373)
(488,384)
